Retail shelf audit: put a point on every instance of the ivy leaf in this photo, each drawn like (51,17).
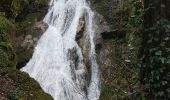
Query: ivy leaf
(149,41)
(162,44)
(161,93)
(158,53)
(168,49)
(164,82)
(168,26)
(163,60)
(166,39)
(168,61)
(156,39)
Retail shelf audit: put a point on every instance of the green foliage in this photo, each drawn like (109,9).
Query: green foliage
(155,72)
(2,14)
(114,12)
(20,8)
(155,60)
(5,7)
(18,5)
(134,24)
(42,2)
(6,25)
(3,59)
(7,56)
(29,21)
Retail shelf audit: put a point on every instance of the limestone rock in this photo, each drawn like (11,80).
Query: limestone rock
(99,26)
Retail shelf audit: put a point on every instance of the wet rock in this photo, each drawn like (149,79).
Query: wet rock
(76,67)
(25,43)
(40,28)
(28,42)
(99,26)
(81,29)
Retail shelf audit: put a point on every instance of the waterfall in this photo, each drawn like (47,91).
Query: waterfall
(57,62)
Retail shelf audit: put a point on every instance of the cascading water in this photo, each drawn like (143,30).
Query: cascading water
(52,63)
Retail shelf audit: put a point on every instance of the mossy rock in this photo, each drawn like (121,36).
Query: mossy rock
(22,56)
(36,95)
(32,89)
(27,88)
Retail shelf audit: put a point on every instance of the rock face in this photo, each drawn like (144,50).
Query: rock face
(25,43)
(99,27)
(30,41)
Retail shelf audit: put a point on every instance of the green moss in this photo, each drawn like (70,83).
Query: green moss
(37,95)
(2,14)
(28,88)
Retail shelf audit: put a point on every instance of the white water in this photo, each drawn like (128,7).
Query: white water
(51,64)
